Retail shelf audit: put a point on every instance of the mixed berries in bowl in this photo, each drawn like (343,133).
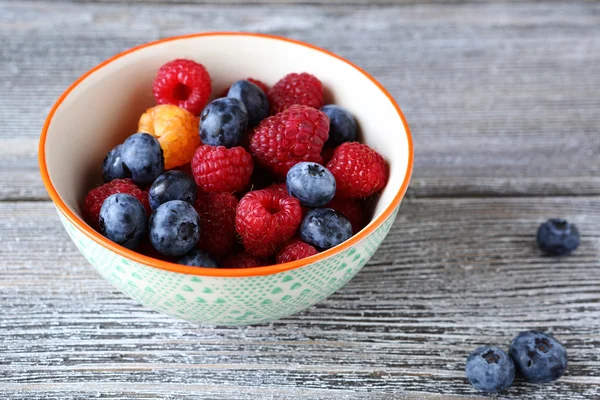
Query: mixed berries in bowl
(227,193)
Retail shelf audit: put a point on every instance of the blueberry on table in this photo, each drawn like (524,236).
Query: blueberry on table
(112,166)
(489,369)
(325,228)
(254,99)
(198,258)
(223,122)
(311,183)
(142,158)
(123,220)
(557,237)
(538,356)
(174,228)
(172,185)
(342,125)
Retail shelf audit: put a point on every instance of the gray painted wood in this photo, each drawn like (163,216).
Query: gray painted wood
(502,98)
(453,274)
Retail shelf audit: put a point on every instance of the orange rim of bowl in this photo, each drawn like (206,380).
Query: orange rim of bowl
(217,272)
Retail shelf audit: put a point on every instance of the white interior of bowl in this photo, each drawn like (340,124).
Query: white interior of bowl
(104,108)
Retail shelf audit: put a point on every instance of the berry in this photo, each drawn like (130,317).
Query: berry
(172,185)
(223,122)
(177,131)
(174,228)
(266,219)
(95,197)
(123,220)
(304,89)
(351,209)
(112,166)
(489,369)
(280,187)
(310,183)
(219,169)
(359,170)
(557,237)
(217,222)
(294,135)
(143,158)
(184,83)
(198,258)
(342,125)
(538,356)
(253,98)
(325,228)
(241,260)
(295,250)
(262,86)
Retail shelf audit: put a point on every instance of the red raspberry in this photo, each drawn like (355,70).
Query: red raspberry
(294,135)
(295,250)
(241,260)
(217,222)
(266,219)
(351,209)
(294,88)
(280,187)
(184,83)
(95,197)
(359,171)
(263,86)
(218,169)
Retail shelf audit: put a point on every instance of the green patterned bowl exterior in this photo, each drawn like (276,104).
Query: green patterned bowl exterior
(229,300)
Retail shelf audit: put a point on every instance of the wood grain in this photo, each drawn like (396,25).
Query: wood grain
(501,97)
(453,274)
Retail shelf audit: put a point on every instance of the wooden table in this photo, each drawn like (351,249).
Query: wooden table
(503,101)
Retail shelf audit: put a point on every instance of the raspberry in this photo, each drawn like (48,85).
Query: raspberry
(176,130)
(219,169)
(217,222)
(294,88)
(183,83)
(294,135)
(266,219)
(359,170)
(349,208)
(295,250)
(241,260)
(263,86)
(95,197)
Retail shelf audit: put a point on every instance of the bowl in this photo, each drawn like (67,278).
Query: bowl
(102,108)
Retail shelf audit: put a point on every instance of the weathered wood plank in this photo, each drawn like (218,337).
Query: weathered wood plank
(453,274)
(501,98)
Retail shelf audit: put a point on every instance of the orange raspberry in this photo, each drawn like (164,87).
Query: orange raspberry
(177,131)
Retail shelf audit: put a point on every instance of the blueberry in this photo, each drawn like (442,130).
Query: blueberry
(489,369)
(172,185)
(557,237)
(123,220)
(253,98)
(112,166)
(311,183)
(174,228)
(198,258)
(342,125)
(538,356)
(142,158)
(325,228)
(223,122)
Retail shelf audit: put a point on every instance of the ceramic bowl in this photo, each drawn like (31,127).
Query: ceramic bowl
(102,108)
